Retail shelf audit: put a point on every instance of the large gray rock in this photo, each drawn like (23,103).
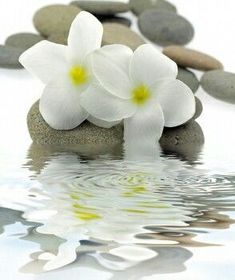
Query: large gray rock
(219,84)
(86,133)
(139,6)
(189,78)
(104,7)
(55,19)
(165,28)
(115,33)
(9,57)
(23,41)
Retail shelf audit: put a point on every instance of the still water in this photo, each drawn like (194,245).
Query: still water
(94,212)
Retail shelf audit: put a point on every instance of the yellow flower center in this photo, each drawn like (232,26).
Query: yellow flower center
(140,94)
(78,75)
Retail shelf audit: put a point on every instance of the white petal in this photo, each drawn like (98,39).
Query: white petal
(104,106)
(145,127)
(148,65)
(110,67)
(46,60)
(177,102)
(85,36)
(60,105)
(101,123)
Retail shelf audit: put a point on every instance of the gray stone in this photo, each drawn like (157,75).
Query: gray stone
(185,141)
(23,41)
(186,57)
(189,78)
(139,6)
(9,57)
(86,133)
(59,38)
(219,84)
(55,19)
(104,7)
(165,28)
(199,108)
(115,33)
(115,19)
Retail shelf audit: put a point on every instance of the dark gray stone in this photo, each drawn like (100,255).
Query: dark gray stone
(220,85)
(104,7)
(199,108)
(165,28)
(139,6)
(115,19)
(86,133)
(9,57)
(23,41)
(189,78)
(55,19)
(115,33)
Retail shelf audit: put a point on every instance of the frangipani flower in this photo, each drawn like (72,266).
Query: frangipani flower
(139,87)
(65,71)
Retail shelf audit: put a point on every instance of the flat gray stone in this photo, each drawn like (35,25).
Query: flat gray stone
(165,28)
(104,7)
(186,57)
(59,38)
(55,19)
(139,6)
(189,78)
(9,57)
(23,41)
(86,133)
(115,19)
(185,142)
(220,85)
(115,33)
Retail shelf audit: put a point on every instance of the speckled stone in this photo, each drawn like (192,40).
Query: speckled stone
(139,6)
(87,133)
(9,57)
(55,19)
(115,33)
(189,78)
(23,41)
(165,28)
(185,141)
(186,57)
(220,85)
(199,108)
(59,38)
(100,7)
(115,19)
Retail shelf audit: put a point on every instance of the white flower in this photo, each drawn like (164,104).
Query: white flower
(65,71)
(140,88)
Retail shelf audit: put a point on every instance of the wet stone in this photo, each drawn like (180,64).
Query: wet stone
(104,7)
(189,78)
(186,57)
(220,85)
(165,28)
(139,6)
(199,108)
(9,57)
(55,19)
(23,41)
(115,33)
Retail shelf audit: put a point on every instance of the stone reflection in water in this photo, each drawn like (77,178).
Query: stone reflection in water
(106,212)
